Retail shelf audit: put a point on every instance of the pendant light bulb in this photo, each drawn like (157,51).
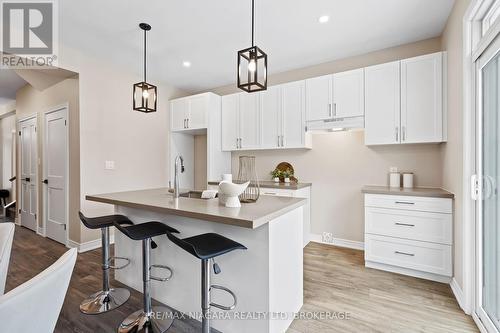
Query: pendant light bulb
(252,66)
(145,93)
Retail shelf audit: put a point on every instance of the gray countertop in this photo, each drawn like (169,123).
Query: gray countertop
(251,215)
(416,191)
(271,184)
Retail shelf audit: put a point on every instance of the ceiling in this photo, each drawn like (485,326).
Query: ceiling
(10,82)
(209,33)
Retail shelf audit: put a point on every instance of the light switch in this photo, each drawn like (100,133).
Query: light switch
(109,165)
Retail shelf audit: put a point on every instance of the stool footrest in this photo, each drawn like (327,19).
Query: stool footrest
(162,279)
(118,258)
(223,307)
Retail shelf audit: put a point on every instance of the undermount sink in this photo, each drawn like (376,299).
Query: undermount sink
(192,195)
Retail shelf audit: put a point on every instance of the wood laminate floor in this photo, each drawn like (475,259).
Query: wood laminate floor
(336,284)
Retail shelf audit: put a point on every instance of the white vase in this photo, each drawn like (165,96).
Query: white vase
(276,179)
(287,180)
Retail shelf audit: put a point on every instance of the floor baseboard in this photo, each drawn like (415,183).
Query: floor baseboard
(459,295)
(89,246)
(339,242)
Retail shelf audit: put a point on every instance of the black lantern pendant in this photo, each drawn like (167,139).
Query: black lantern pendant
(252,66)
(145,93)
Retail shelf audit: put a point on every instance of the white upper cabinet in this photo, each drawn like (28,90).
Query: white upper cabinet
(422,99)
(382,104)
(189,113)
(348,94)
(294,122)
(319,98)
(271,117)
(249,119)
(230,122)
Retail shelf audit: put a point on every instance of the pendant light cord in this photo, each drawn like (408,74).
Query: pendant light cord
(145,55)
(253,22)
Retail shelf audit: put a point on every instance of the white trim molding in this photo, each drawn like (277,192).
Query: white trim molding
(350,244)
(89,246)
(459,294)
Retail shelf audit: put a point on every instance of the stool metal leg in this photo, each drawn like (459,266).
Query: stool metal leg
(205,296)
(152,319)
(109,298)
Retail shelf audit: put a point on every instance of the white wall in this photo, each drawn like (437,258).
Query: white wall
(7,125)
(111,130)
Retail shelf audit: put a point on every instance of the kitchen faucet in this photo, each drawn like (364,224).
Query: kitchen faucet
(178,160)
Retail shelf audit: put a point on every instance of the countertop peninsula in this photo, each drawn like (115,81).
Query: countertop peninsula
(275,185)
(249,215)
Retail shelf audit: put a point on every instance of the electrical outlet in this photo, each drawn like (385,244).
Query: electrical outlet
(327,237)
(109,165)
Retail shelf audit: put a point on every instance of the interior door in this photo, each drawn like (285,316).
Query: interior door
(382,104)
(230,122)
(198,106)
(28,183)
(319,98)
(422,99)
(55,181)
(270,110)
(348,94)
(179,110)
(488,208)
(249,121)
(294,124)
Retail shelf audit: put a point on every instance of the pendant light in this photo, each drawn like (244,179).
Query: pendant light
(144,93)
(252,66)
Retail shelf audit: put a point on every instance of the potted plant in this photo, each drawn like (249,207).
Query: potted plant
(276,174)
(286,175)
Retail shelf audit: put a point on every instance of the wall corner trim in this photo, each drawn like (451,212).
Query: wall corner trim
(88,246)
(459,295)
(350,244)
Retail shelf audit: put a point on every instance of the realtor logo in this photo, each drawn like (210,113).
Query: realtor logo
(29,34)
(27,27)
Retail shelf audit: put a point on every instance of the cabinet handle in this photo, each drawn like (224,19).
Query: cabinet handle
(330,110)
(404,202)
(240,143)
(187,123)
(404,224)
(282,141)
(405,253)
(334,110)
(278,140)
(404,133)
(397,134)
(270,193)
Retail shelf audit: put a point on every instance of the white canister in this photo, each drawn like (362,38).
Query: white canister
(408,180)
(394,179)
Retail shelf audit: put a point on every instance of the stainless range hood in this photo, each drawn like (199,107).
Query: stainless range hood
(336,124)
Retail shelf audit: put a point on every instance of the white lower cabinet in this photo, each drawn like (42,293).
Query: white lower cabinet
(409,235)
(304,192)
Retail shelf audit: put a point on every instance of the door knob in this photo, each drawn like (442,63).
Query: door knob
(27,179)
(45,181)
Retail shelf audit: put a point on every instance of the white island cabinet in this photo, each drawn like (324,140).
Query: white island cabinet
(267,278)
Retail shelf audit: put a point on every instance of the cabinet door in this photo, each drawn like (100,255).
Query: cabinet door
(382,104)
(319,98)
(198,106)
(348,94)
(249,121)
(270,113)
(422,99)
(230,107)
(179,109)
(294,124)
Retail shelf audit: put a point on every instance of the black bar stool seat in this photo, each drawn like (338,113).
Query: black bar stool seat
(146,320)
(108,298)
(207,247)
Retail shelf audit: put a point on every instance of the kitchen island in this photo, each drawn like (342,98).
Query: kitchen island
(267,278)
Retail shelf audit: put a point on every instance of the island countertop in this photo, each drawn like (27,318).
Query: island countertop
(249,215)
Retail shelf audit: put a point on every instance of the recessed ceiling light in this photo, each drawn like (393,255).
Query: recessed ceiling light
(324,19)
(186,64)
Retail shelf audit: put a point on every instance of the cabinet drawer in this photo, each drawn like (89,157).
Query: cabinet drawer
(420,226)
(277,192)
(423,204)
(421,256)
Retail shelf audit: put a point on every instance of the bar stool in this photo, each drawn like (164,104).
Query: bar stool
(207,247)
(145,320)
(108,298)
